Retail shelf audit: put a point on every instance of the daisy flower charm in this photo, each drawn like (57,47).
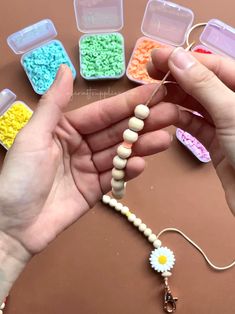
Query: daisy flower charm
(162,259)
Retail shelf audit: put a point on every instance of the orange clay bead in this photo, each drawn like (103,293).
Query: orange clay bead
(137,70)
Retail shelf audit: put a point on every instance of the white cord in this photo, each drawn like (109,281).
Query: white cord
(197,247)
(192,29)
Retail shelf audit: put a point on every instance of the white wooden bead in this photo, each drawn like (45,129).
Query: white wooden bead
(119,207)
(142,112)
(130,136)
(118,174)
(142,227)
(136,124)
(152,238)
(117,185)
(125,210)
(106,199)
(157,244)
(124,152)
(132,218)
(118,194)
(147,232)
(119,163)
(137,222)
(113,202)
(166,274)
(1,312)
(3,306)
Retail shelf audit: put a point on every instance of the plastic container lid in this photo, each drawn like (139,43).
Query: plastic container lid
(99,16)
(32,36)
(7,98)
(167,22)
(220,37)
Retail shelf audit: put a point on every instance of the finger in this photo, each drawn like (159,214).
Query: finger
(148,144)
(48,112)
(103,114)
(203,85)
(221,66)
(135,167)
(161,116)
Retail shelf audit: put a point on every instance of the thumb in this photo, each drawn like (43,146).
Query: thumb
(203,85)
(51,105)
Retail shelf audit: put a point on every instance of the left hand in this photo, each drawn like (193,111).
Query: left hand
(60,164)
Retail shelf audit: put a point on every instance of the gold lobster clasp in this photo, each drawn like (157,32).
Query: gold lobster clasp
(169,303)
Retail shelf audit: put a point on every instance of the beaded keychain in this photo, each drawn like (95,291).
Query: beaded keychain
(162,259)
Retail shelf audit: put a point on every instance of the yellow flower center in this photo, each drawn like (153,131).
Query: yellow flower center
(162,259)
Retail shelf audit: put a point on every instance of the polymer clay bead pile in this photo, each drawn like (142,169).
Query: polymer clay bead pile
(137,70)
(102,56)
(42,64)
(12,121)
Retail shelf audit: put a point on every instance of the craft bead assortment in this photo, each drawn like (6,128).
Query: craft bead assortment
(42,56)
(2,307)
(13,117)
(102,56)
(102,48)
(137,70)
(164,23)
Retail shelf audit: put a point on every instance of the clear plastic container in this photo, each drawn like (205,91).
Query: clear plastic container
(164,23)
(41,54)
(101,48)
(219,38)
(13,117)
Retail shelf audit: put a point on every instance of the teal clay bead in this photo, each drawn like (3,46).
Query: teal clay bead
(41,65)
(102,56)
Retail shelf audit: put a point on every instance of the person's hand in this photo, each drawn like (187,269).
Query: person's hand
(207,85)
(60,164)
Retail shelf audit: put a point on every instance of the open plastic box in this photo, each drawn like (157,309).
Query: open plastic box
(41,55)
(7,101)
(219,38)
(101,49)
(164,23)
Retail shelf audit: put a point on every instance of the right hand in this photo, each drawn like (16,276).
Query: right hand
(207,84)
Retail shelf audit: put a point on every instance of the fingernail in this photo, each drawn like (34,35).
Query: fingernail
(60,73)
(182,59)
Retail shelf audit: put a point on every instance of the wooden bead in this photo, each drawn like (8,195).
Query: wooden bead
(137,222)
(106,199)
(125,210)
(136,124)
(142,112)
(113,202)
(147,232)
(124,152)
(130,136)
(118,174)
(166,274)
(157,244)
(119,207)
(132,218)
(117,185)
(152,238)
(119,163)
(142,227)
(118,194)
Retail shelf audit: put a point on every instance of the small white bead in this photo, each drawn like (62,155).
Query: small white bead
(147,232)
(137,222)
(119,163)
(118,174)
(166,274)
(117,185)
(142,112)
(124,152)
(142,227)
(1,312)
(125,210)
(106,199)
(2,306)
(136,124)
(119,207)
(118,194)
(132,218)
(113,202)
(157,244)
(152,238)
(130,136)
